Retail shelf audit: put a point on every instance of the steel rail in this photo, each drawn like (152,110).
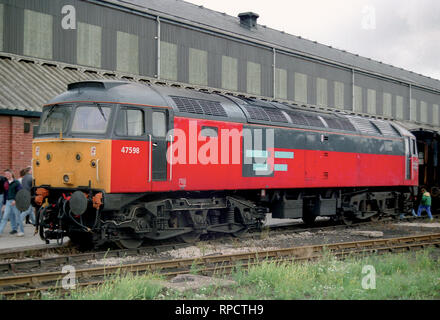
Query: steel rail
(24,265)
(220,260)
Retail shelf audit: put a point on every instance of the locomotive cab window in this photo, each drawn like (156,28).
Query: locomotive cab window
(130,122)
(55,119)
(414,147)
(91,119)
(159,124)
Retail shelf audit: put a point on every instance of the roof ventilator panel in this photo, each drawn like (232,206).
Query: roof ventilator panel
(199,106)
(386,128)
(364,125)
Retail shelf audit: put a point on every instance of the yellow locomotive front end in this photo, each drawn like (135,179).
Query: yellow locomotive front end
(71,160)
(72,163)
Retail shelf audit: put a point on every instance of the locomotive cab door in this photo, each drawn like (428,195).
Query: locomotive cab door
(159,144)
(408,164)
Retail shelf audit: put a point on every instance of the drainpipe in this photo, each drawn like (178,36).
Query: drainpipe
(352,90)
(274,72)
(410,101)
(158,47)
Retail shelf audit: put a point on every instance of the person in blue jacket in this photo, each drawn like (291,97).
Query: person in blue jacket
(9,210)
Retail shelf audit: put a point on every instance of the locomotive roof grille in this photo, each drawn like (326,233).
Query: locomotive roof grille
(365,125)
(339,123)
(257,113)
(199,106)
(265,114)
(386,128)
(314,121)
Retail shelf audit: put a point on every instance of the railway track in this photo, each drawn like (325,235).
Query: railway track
(32,285)
(32,260)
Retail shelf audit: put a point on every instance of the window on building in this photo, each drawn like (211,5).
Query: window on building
(371,101)
(127,52)
(413,110)
(339,95)
(358,99)
(280,83)
(198,67)
(423,112)
(321,92)
(229,73)
(435,114)
(387,98)
(253,78)
(168,60)
(300,87)
(38,37)
(130,122)
(88,46)
(399,107)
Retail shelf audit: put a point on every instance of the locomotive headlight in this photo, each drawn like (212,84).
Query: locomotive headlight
(68,178)
(48,156)
(93,163)
(78,157)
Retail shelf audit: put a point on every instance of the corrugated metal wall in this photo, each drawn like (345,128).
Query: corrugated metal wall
(112,39)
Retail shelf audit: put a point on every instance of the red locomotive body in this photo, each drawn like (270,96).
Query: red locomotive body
(177,162)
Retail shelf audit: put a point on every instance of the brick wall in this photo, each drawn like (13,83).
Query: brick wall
(15,145)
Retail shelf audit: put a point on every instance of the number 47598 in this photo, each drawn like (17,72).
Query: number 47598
(131,150)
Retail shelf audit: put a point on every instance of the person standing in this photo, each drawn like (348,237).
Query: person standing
(425,204)
(9,210)
(27,184)
(2,191)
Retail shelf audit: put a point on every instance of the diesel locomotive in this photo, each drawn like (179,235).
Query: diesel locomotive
(124,162)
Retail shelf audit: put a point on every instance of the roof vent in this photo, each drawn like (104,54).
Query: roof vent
(248,19)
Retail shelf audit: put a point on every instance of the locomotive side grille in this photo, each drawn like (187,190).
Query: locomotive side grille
(199,106)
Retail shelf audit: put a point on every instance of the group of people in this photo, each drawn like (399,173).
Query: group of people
(9,187)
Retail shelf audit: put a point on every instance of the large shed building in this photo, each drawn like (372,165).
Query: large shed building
(46,44)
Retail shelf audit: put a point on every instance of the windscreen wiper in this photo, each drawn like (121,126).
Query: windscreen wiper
(102,112)
(49,113)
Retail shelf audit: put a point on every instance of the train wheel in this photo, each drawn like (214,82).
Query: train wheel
(309,219)
(239,233)
(347,219)
(191,237)
(129,243)
(82,240)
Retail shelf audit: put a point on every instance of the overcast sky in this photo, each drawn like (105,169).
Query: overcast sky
(403,33)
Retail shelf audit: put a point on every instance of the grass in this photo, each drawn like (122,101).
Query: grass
(126,287)
(397,276)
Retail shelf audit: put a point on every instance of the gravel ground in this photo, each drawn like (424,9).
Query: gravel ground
(269,242)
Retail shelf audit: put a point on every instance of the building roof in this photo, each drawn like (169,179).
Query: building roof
(203,17)
(26,84)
